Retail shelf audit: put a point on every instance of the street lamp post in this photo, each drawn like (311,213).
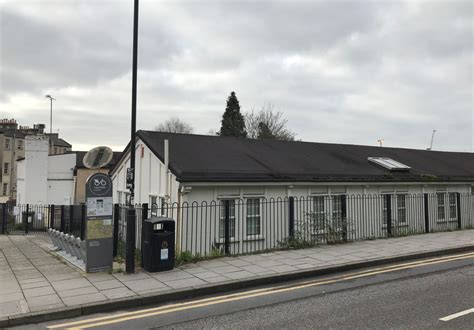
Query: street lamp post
(131,216)
(51,99)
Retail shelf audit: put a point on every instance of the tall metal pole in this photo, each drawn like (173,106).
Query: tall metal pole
(134,104)
(51,99)
(50,115)
(131,215)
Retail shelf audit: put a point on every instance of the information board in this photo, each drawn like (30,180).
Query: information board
(99,224)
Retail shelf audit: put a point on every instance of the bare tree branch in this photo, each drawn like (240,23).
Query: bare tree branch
(175,125)
(267,124)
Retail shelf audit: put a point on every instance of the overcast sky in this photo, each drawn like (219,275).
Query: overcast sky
(345,72)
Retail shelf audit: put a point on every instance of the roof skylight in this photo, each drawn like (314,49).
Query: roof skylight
(389,163)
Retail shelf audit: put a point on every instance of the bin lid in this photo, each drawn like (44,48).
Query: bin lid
(154,219)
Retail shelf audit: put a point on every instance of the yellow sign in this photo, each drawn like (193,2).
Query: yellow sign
(99,228)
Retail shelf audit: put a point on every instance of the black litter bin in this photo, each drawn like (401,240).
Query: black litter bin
(158,244)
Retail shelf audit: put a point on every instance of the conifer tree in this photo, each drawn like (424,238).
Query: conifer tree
(233,123)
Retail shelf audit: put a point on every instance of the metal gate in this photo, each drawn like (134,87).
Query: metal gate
(22,219)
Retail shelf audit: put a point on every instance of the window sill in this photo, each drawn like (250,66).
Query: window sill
(405,225)
(446,221)
(232,240)
(253,238)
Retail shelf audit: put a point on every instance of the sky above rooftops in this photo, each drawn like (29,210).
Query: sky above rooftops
(343,72)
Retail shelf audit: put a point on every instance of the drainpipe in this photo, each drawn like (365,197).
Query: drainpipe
(178,219)
(167,171)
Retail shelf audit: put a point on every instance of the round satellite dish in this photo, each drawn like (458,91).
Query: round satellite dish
(98,157)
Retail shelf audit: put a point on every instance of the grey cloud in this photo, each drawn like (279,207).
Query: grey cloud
(368,70)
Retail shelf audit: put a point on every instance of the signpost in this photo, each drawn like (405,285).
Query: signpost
(99,223)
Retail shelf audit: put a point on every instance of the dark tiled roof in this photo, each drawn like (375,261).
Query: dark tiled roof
(199,158)
(61,143)
(11,132)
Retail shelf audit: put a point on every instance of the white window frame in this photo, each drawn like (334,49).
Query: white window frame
(385,208)
(336,207)
(232,220)
(441,196)
(7,144)
(453,205)
(401,210)
(257,218)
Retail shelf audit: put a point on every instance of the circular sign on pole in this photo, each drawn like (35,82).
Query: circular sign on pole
(99,184)
(98,157)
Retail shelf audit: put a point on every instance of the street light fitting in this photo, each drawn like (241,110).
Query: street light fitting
(51,99)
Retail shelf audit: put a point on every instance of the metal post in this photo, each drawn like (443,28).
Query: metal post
(458,206)
(4,218)
(51,115)
(25,224)
(144,217)
(51,216)
(134,105)
(130,242)
(227,227)
(83,222)
(116,228)
(63,220)
(389,215)
(344,217)
(427,213)
(71,219)
(291,217)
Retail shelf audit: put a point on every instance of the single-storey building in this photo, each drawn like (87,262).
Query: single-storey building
(329,181)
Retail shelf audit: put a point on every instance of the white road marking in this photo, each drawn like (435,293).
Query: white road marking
(454,316)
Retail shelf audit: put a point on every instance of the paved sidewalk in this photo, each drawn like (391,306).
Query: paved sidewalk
(33,280)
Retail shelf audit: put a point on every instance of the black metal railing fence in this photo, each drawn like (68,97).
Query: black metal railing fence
(241,226)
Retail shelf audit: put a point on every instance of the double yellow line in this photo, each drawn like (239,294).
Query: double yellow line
(123,317)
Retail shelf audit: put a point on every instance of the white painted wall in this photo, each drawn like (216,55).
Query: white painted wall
(60,179)
(44,179)
(32,182)
(150,177)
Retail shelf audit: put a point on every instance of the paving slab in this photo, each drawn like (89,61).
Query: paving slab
(145,284)
(41,291)
(51,299)
(39,282)
(84,299)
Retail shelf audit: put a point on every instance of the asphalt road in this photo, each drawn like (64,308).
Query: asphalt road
(411,295)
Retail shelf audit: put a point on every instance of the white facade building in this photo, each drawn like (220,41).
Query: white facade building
(252,173)
(44,179)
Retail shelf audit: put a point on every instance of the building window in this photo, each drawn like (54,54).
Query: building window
(401,208)
(55,150)
(231,219)
(20,144)
(318,212)
(337,207)
(453,208)
(153,205)
(126,198)
(6,168)
(7,144)
(441,207)
(385,208)
(253,216)
(5,188)
(158,206)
